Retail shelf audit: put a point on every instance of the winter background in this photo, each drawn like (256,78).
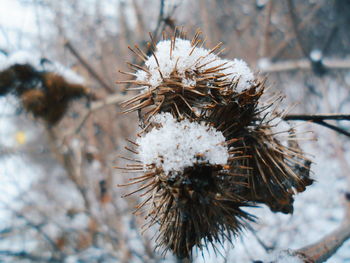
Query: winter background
(44,217)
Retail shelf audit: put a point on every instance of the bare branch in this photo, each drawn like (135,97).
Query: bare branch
(304,64)
(320,119)
(109,100)
(317,117)
(88,67)
(289,37)
(293,17)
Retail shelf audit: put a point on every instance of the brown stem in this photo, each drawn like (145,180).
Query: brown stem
(304,64)
(289,37)
(317,117)
(109,100)
(320,119)
(66,160)
(265,40)
(87,66)
(293,17)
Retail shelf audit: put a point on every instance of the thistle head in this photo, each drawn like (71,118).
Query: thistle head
(208,146)
(184,78)
(186,168)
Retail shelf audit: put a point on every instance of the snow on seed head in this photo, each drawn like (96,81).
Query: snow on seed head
(176,145)
(182,57)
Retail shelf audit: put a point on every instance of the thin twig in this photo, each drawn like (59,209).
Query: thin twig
(88,67)
(36,227)
(289,37)
(332,127)
(265,39)
(317,117)
(65,158)
(293,18)
(260,241)
(160,19)
(109,100)
(304,64)
(320,119)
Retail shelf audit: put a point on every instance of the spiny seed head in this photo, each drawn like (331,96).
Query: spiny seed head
(176,145)
(208,145)
(187,171)
(182,77)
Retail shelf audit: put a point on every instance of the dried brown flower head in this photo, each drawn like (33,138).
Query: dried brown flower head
(184,78)
(208,145)
(185,179)
(45,93)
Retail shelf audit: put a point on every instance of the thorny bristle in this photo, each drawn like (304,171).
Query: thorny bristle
(201,203)
(203,83)
(278,171)
(191,206)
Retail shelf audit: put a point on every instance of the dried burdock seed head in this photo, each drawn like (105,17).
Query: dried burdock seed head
(278,167)
(182,77)
(56,94)
(276,171)
(17,79)
(186,174)
(209,145)
(44,91)
(48,96)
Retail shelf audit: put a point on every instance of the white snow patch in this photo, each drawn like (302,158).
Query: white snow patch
(282,257)
(177,145)
(264,63)
(185,59)
(20,57)
(68,74)
(238,69)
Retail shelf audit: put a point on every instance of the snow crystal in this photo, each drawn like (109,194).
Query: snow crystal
(264,63)
(68,74)
(23,57)
(185,59)
(238,69)
(282,257)
(177,145)
(20,57)
(316,55)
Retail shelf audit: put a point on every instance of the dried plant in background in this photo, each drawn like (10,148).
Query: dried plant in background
(44,88)
(207,147)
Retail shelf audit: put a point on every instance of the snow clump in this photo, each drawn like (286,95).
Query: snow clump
(181,57)
(176,145)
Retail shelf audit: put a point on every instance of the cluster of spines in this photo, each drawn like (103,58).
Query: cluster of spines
(260,169)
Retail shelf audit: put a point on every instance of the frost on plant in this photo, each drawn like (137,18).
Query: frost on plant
(182,74)
(183,58)
(283,256)
(177,145)
(208,146)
